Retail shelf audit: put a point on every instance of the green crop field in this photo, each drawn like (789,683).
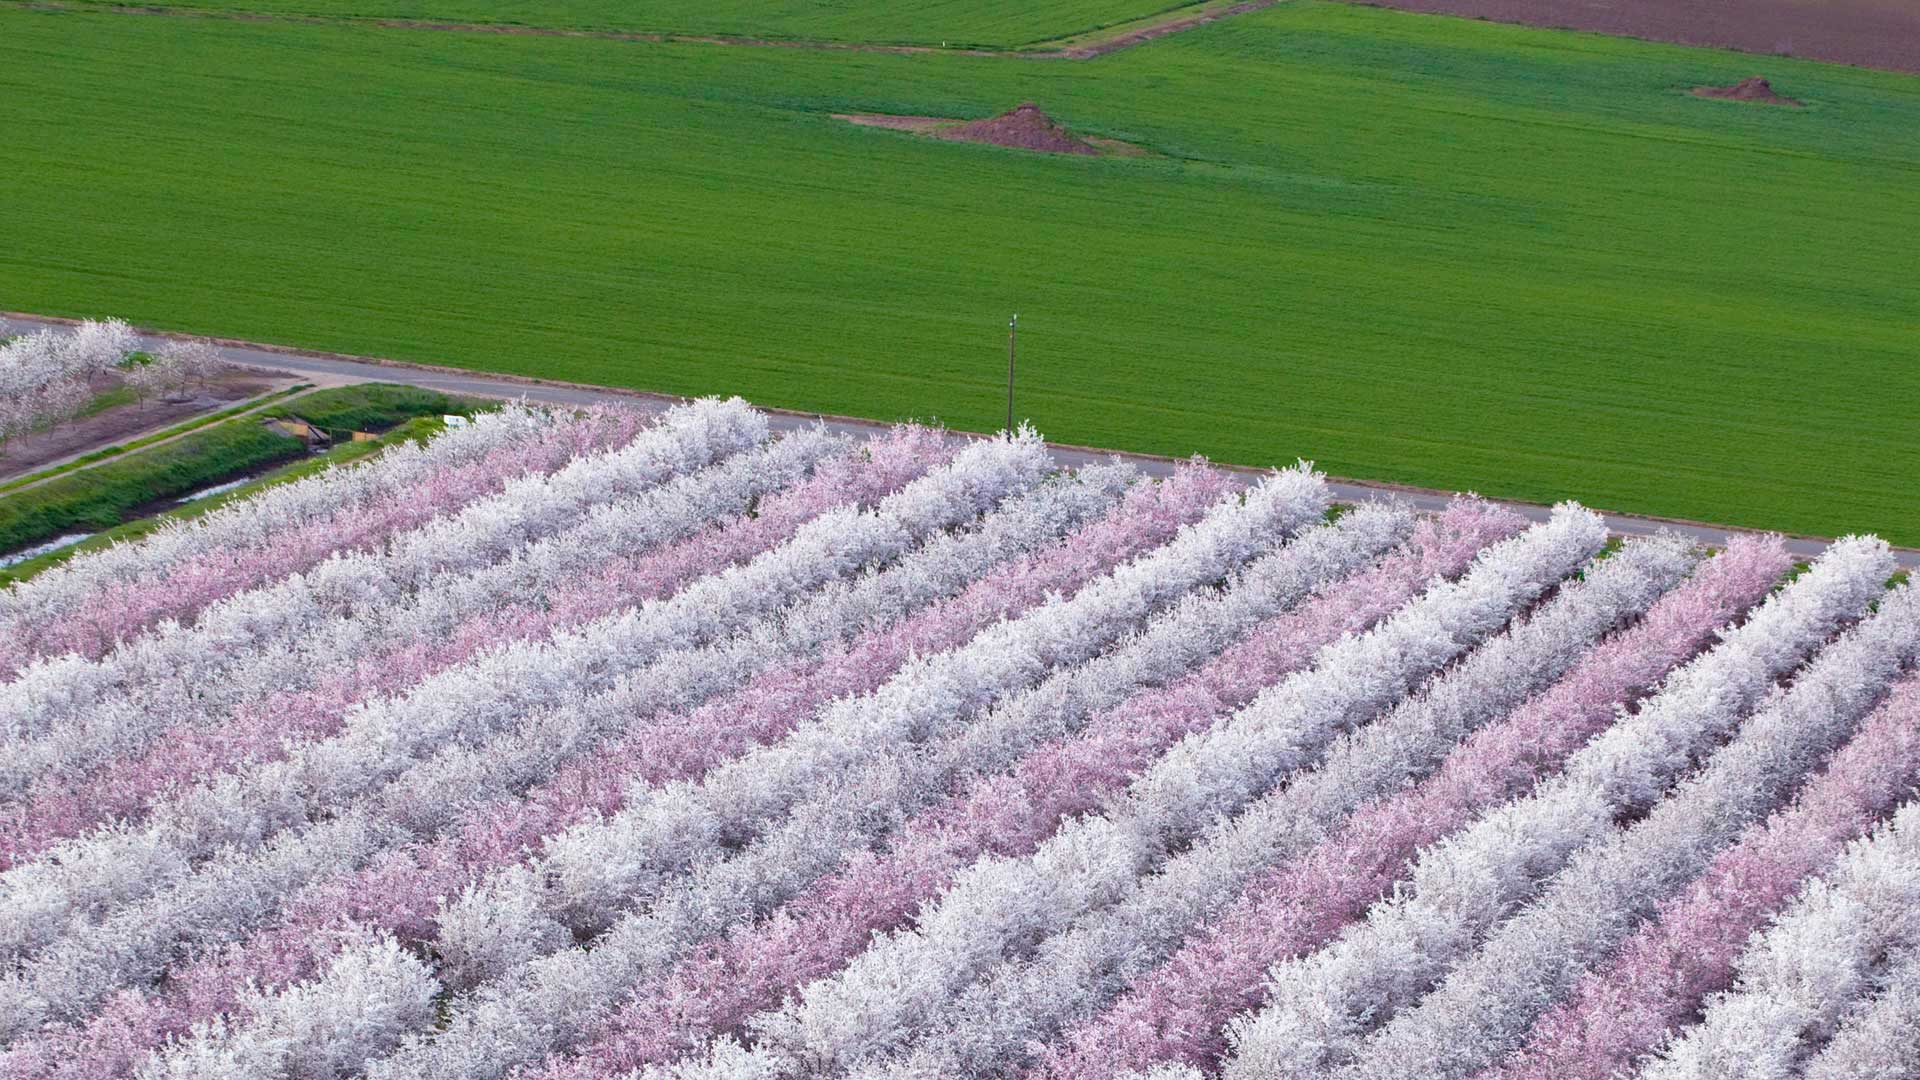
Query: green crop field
(1433,251)
(956,23)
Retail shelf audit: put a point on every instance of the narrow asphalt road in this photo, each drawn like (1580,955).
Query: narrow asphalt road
(338,369)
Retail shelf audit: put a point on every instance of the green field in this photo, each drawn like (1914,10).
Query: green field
(956,23)
(1433,251)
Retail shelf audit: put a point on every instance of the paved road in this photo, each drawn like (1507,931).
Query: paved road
(338,369)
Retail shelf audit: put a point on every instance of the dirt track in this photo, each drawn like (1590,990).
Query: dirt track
(1172,23)
(1870,33)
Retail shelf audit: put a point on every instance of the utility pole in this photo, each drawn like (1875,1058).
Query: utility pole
(1013,326)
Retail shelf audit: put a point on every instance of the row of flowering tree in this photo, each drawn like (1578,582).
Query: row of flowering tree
(50,376)
(609,745)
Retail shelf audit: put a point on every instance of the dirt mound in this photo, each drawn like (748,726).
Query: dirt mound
(1025,128)
(1753,89)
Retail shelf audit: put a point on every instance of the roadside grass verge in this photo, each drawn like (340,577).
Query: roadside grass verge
(102,497)
(418,429)
(369,407)
(107,497)
(118,449)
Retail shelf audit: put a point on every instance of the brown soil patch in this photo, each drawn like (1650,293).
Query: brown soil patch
(1755,89)
(1870,33)
(1023,128)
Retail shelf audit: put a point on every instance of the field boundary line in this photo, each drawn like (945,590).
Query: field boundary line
(1085,45)
(499,385)
(1097,43)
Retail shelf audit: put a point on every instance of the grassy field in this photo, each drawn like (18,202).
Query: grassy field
(996,24)
(1416,249)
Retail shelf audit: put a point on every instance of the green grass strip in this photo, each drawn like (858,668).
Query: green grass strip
(117,449)
(369,407)
(418,429)
(102,497)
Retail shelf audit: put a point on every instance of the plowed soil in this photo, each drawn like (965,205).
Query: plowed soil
(1871,33)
